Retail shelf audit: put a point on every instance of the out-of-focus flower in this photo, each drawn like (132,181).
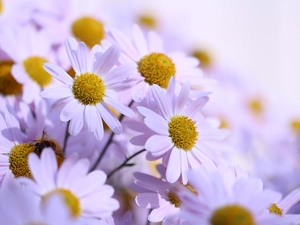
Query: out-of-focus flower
(87,97)
(242,201)
(182,133)
(84,193)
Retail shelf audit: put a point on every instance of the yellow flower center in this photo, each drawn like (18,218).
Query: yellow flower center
(183,132)
(147,21)
(295,125)
(69,198)
(88,30)
(8,84)
(275,209)
(256,107)
(34,67)
(157,68)
(89,89)
(1,6)
(232,215)
(18,160)
(203,57)
(174,199)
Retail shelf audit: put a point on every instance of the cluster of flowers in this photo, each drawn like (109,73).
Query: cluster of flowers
(85,106)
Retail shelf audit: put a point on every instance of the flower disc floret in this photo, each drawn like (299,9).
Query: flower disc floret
(89,89)
(183,132)
(174,199)
(232,215)
(157,68)
(88,30)
(34,67)
(1,6)
(69,198)
(275,209)
(8,84)
(18,160)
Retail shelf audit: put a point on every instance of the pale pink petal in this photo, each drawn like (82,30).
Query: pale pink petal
(184,166)
(49,167)
(290,200)
(196,106)
(173,170)
(76,123)
(70,110)
(58,73)
(139,40)
(182,98)
(71,45)
(90,116)
(158,145)
(99,132)
(60,103)
(159,214)
(119,107)
(160,99)
(147,200)
(110,119)
(20,74)
(82,55)
(56,93)
(116,75)
(109,58)
(64,170)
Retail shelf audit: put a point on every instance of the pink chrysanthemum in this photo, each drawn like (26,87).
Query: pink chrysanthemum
(239,201)
(84,193)
(88,96)
(182,133)
(153,65)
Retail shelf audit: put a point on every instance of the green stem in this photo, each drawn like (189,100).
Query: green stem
(66,137)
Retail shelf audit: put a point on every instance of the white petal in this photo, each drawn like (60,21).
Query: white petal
(90,116)
(173,170)
(106,61)
(56,93)
(76,122)
(139,40)
(70,110)
(182,98)
(110,119)
(58,73)
(120,107)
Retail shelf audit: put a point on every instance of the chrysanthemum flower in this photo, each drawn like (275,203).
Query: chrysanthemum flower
(29,49)
(84,193)
(19,206)
(160,196)
(88,96)
(182,133)
(244,202)
(153,65)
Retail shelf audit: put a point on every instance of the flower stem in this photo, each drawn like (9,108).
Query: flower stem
(108,142)
(125,162)
(66,138)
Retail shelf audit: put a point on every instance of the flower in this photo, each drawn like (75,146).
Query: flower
(87,97)
(243,201)
(159,195)
(182,133)
(84,193)
(18,206)
(153,65)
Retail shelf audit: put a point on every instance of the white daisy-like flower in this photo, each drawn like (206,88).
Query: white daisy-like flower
(182,133)
(244,202)
(19,206)
(87,97)
(29,49)
(86,194)
(153,65)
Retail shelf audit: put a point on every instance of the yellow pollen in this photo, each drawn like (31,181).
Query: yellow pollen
(88,30)
(18,162)
(69,198)
(256,106)
(275,209)
(295,125)
(157,68)
(34,67)
(8,84)
(203,57)
(232,215)
(174,199)
(1,6)
(147,21)
(183,132)
(89,89)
